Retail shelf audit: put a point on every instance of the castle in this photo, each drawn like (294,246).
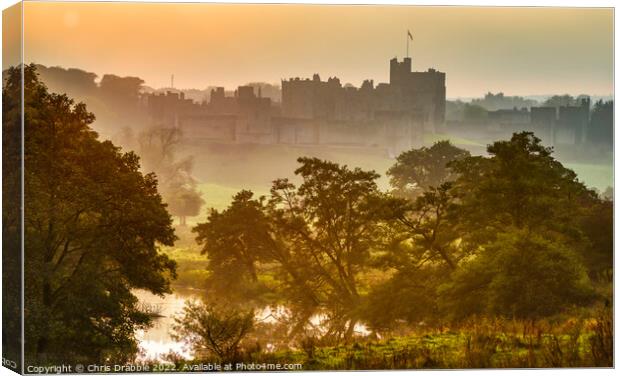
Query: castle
(391,115)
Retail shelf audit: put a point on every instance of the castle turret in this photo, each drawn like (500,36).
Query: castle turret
(399,70)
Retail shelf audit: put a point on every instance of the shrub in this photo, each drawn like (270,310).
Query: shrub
(211,330)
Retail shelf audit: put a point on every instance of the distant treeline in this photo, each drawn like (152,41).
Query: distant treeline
(507,112)
(477,108)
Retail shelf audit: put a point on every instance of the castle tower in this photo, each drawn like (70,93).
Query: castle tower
(399,70)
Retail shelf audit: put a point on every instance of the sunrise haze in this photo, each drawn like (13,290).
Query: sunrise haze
(520,51)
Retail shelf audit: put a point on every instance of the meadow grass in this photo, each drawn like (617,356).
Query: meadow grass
(477,343)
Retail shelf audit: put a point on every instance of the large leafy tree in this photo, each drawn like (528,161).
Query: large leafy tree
(416,170)
(597,226)
(520,274)
(11,218)
(520,184)
(93,226)
(424,250)
(425,241)
(523,214)
(213,331)
(318,239)
(158,150)
(235,241)
(601,129)
(508,235)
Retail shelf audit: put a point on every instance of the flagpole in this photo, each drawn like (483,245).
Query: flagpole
(407,37)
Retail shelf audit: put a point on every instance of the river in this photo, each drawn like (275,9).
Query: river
(157,341)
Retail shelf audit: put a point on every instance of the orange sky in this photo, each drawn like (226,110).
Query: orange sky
(516,50)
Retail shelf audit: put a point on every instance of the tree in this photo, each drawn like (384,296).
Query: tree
(597,225)
(425,241)
(521,213)
(408,297)
(508,236)
(158,148)
(431,227)
(184,201)
(425,250)
(235,241)
(76,83)
(521,274)
(123,92)
(319,237)
(520,185)
(601,129)
(561,100)
(93,226)
(474,112)
(417,170)
(115,100)
(11,214)
(211,330)
(500,101)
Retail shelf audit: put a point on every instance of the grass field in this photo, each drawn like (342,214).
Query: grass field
(478,343)
(224,170)
(218,196)
(581,339)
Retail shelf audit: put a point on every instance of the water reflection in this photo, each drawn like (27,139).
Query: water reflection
(157,341)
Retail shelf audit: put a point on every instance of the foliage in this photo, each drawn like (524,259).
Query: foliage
(11,214)
(318,237)
(417,170)
(601,129)
(474,112)
(519,185)
(563,100)
(234,240)
(184,200)
(432,229)
(94,224)
(521,274)
(211,330)
(500,101)
(115,100)
(476,343)
(596,225)
(512,235)
(157,146)
(405,300)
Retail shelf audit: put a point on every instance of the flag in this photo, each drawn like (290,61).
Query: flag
(409,35)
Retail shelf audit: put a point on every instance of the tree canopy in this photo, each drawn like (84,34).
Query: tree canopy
(158,150)
(513,234)
(93,225)
(316,240)
(417,170)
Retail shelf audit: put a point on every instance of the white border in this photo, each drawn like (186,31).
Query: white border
(494,3)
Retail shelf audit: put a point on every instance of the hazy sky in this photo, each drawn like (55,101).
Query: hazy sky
(514,50)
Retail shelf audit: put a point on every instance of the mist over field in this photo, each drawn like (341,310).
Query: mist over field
(198,201)
(222,168)
(292,241)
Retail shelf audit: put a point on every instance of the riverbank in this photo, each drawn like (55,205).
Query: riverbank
(481,343)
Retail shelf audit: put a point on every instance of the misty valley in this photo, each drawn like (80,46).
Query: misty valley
(308,224)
